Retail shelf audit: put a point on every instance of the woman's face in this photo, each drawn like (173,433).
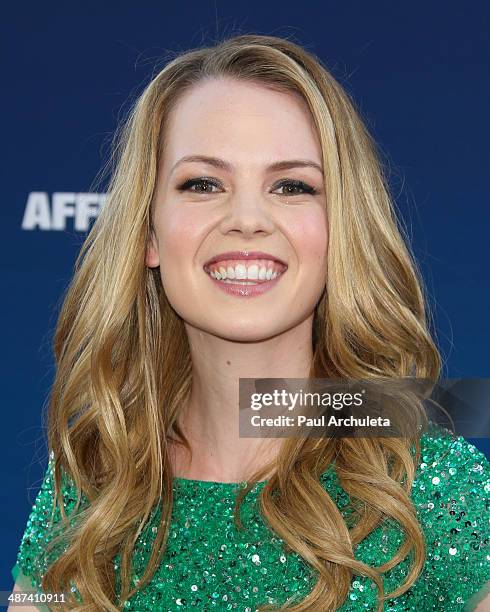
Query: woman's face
(237,201)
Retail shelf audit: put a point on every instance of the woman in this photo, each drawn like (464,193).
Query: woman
(248,150)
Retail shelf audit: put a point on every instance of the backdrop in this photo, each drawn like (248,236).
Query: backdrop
(418,71)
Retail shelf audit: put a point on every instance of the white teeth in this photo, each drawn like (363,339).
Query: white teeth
(254,272)
(240,271)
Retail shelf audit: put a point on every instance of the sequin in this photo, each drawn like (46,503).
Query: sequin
(210,565)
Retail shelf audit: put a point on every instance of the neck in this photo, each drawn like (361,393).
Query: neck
(210,418)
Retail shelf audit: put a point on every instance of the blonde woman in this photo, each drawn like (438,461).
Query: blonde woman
(248,232)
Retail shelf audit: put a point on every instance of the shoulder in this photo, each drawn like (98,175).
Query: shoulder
(451,502)
(450,469)
(38,548)
(451,497)
(448,462)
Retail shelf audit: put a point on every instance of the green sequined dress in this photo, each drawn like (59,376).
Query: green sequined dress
(209,565)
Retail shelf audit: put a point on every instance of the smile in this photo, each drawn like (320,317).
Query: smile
(245,278)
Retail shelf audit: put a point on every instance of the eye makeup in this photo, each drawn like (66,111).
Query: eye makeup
(207,181)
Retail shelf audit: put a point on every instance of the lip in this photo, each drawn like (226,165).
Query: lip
(244,255)
(245,290)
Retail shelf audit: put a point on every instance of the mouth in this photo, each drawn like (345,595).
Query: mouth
(245,273)
(245,267)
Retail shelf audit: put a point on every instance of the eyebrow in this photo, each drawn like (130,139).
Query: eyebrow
(286,164)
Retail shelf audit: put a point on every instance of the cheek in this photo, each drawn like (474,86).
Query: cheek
(181,233)
(309,234)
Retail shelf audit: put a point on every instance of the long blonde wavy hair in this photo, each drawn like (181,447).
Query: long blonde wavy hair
(123,363)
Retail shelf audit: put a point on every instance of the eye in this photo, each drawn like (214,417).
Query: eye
(294,184)
(204,183)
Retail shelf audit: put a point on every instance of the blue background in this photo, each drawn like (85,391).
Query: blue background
(418,71)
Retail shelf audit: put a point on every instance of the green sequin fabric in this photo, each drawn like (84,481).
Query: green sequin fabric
(210,565)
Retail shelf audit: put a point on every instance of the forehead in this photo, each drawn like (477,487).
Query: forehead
(247,123)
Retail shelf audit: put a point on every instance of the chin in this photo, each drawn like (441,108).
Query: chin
(244,330)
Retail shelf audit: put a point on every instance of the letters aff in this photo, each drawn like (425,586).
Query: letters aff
(42,214)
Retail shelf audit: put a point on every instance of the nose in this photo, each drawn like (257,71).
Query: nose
(247,214)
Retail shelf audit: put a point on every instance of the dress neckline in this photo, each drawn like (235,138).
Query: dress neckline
(227,485)
(214,483)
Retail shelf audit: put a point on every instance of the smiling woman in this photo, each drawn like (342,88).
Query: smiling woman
(248,233)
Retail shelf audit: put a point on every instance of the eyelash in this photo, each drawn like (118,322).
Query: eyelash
(295,183)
